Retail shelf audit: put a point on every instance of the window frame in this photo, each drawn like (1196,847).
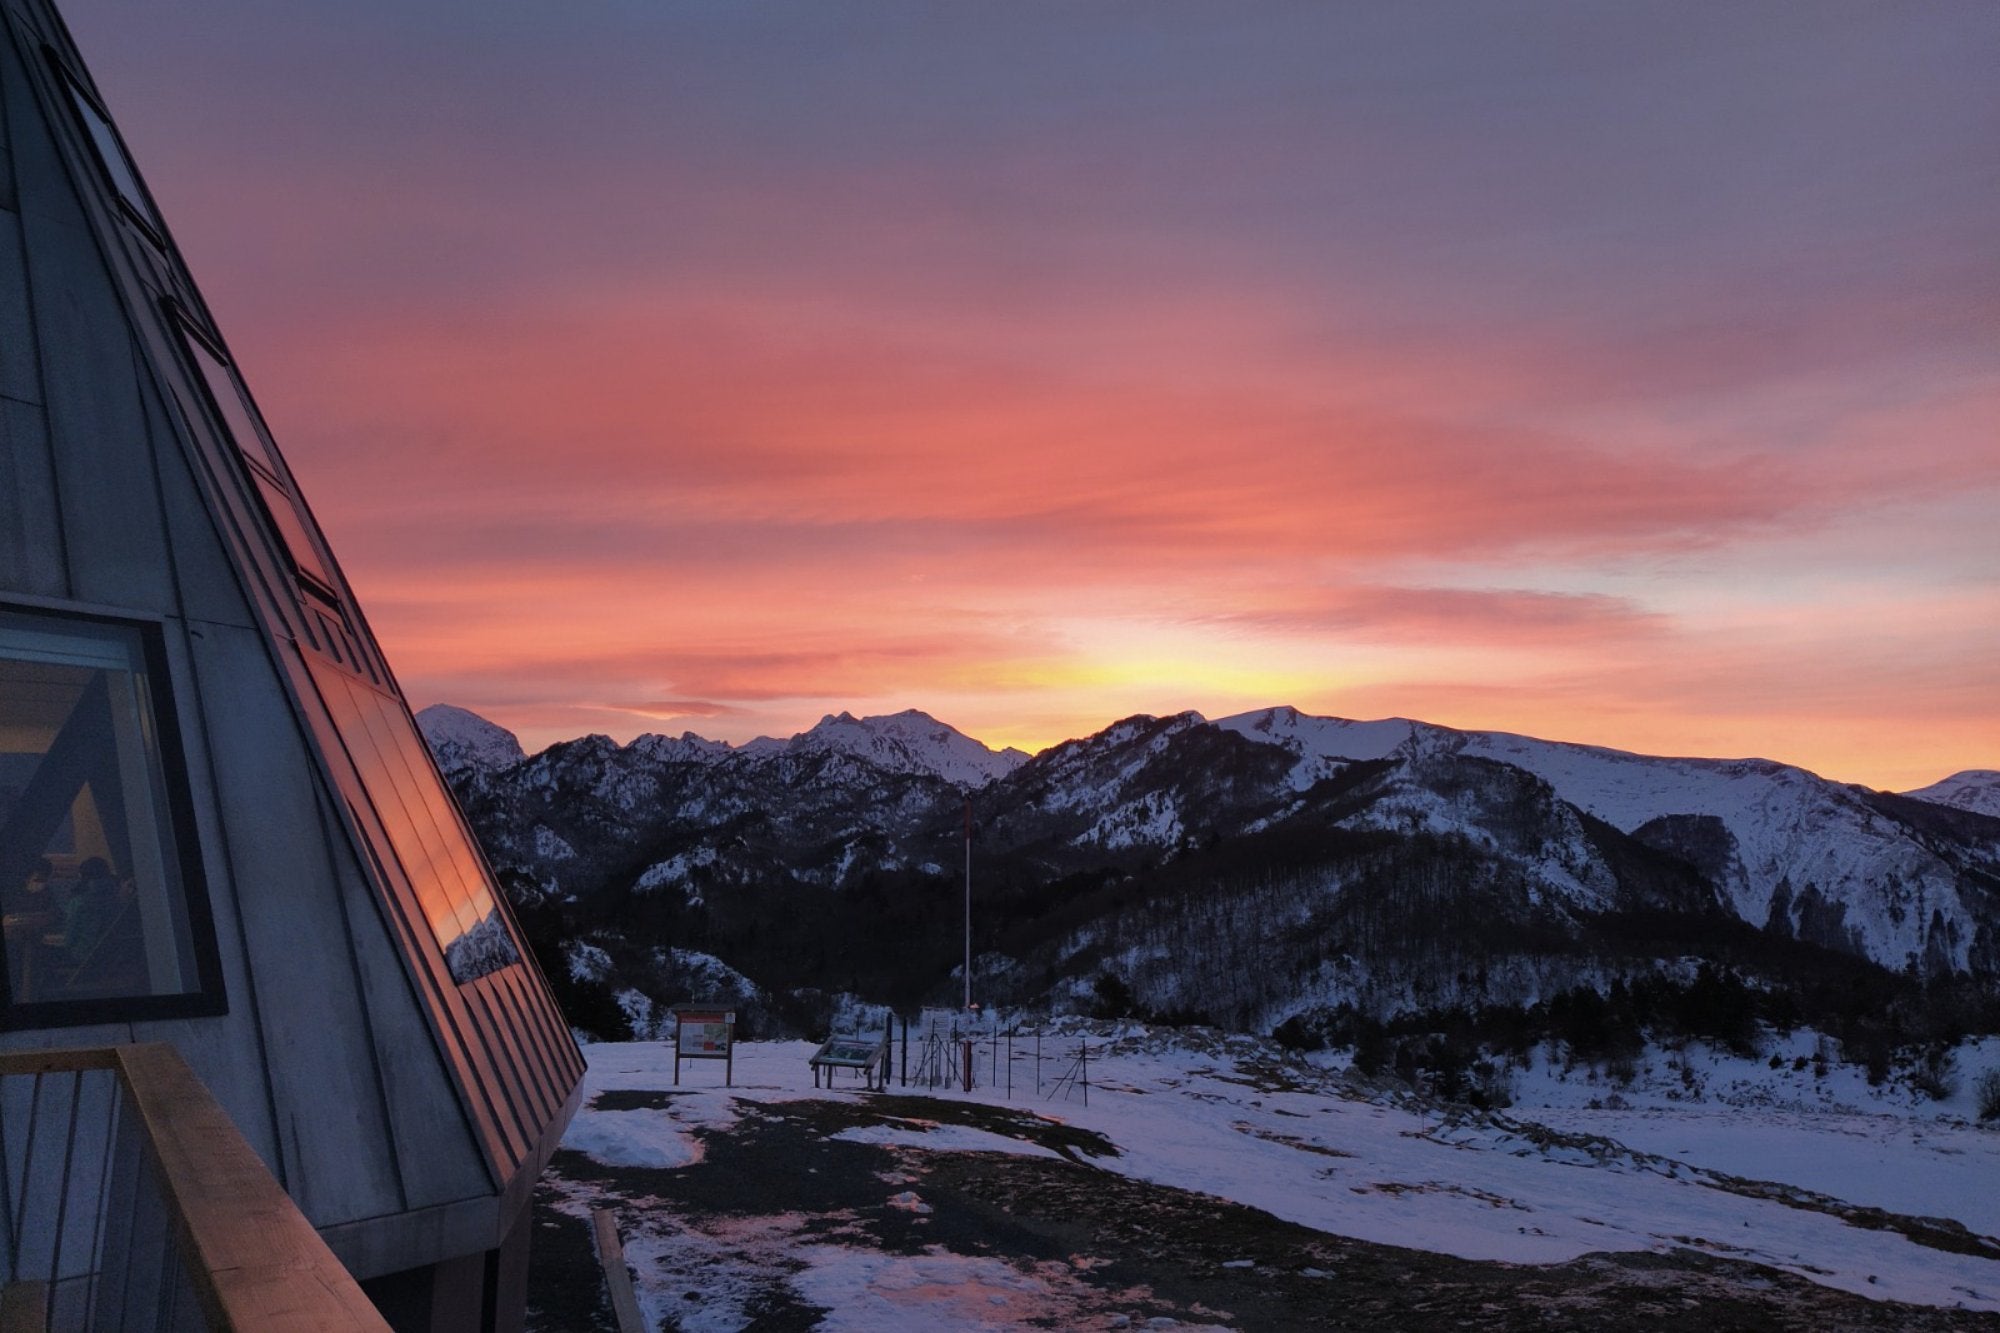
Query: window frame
(209,997)
(259,458)
(143,213)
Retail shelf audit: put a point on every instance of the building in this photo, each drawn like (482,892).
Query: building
(219,828)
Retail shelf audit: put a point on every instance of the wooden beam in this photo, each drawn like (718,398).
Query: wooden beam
(617,1277)
(255,1261)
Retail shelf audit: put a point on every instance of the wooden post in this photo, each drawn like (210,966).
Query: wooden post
(618,1278)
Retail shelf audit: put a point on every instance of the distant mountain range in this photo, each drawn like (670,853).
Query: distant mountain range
(1248,866)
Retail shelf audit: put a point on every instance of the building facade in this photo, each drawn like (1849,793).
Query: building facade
(219,827)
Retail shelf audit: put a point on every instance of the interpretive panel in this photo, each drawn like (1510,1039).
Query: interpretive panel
(706,1033)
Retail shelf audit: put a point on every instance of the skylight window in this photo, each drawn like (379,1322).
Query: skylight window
(112,157)
(237,419)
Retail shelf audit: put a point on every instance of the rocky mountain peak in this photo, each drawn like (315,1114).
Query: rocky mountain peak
(461,739)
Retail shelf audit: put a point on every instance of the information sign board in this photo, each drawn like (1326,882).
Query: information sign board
(704,1033)
(870,1055)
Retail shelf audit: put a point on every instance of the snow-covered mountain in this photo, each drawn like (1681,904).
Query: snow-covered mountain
(461,739)
(907,742)
(1787,848)
(1976,789)
(1234,866)
(910,742)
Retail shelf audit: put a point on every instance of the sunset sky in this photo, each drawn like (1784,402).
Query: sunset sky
(1618,373)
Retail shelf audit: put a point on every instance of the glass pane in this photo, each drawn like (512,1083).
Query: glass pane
(285,518)
(424,832)
(228,399)
(112,154)
(89,876)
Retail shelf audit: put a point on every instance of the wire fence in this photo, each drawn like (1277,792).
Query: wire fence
(943,1048)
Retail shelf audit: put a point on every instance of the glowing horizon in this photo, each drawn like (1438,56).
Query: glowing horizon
(1622,377)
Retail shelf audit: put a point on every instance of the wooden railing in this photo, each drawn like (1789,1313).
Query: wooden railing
(127,1196)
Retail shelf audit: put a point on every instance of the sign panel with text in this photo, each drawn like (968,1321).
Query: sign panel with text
(704,1033)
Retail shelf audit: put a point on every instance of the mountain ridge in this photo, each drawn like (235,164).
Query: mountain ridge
(1246,867)
(877,735)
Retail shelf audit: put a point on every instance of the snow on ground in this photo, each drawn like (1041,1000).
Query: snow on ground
(942,1138)
(1668,1162)
(633,1138)
(1830,1132)
(871,1291)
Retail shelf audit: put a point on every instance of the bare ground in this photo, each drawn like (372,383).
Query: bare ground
(1126,1251)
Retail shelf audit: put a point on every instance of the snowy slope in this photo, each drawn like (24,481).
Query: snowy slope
(463,739)
(1324,745)
(1976,789)
(1810,854)
(686,748)
(911,741)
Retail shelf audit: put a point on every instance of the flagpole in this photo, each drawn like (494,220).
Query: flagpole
(968,904)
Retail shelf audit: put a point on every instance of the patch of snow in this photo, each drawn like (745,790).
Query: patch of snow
(632,1138)
(549,845)
(587,962)
(868,1291)
(1150,821)
(674,870)
(940,1138)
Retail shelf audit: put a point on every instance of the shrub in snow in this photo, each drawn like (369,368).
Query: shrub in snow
(1936,1075)
(1989,1095)
(1113,998)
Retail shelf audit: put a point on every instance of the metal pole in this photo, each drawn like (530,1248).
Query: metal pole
(968,904)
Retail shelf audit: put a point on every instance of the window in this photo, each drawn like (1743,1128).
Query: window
(94,871)
(423,827)
(227,399)
(111,154)
(233,413)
